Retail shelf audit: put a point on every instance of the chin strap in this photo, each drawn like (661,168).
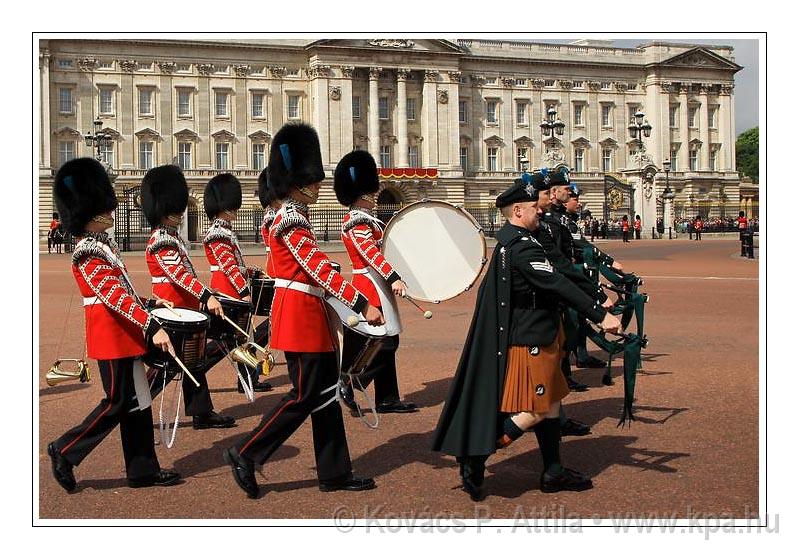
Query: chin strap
(310,194)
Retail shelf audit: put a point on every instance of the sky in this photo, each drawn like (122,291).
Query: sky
(745,53)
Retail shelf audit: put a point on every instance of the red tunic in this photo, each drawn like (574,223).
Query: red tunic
(116,322)
(361,234)
(266,224)
(298,319)
(229,274)
(625,225)
(173,275)
(637,225)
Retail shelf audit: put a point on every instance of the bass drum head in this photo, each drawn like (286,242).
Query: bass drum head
(438,249)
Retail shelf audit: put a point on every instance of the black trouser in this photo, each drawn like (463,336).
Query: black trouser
(697,235)
(638,233)
(314,378)
(136,428)
(382,369)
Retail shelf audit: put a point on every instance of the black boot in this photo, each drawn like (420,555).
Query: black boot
(212,420)
(244,472)
(555,477)
(62,470)
(472,470)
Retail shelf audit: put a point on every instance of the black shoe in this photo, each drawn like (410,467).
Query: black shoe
(576,386)
(346,395)
(62,470)
(607,380)
(351,484)
(258,387)
(574,428)
(244,472)
(397,406)
(161,478)
(590,362)
(567,479)
(472,477)
(212,420)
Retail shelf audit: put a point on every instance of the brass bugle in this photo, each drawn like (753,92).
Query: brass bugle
(246,355)
(57,375)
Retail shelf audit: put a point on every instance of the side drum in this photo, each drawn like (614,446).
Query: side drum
(237,311)
(187,332)
(262,290)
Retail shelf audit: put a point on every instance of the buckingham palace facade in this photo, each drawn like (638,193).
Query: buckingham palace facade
(450,120)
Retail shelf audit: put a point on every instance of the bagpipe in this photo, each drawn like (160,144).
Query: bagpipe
(629,306)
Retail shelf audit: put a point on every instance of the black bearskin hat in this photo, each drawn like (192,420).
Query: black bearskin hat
(546,178)
(266,194)
(223,192)
(82,190)
(295,159)
(164,192)
(355,175)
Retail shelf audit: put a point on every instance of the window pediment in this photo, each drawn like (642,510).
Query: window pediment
(260,136)
(67,132)
(465,140)
(187,135)
(115,135)
(581,141)
(494,141)
(524,141)
(224,136)
(148,134)
(608,143)
(695,142)
(553,143)
(702,58)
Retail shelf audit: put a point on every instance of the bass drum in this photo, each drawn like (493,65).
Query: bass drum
(438,249)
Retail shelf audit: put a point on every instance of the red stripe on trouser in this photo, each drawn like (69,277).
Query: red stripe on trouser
(281,409)
(96,420)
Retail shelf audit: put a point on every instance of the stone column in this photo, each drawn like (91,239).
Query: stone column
(44,84)
(320,115)
(429,120)
(373,124)
(508,155)
(683,153)
(668,218)
(402,118)
(726,127)
(705,135)
(658,118)
(345,113)
(453,138)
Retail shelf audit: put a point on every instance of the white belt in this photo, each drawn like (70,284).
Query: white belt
(360,270)
(214,268)
(91,301)
(300,287)
(160,280)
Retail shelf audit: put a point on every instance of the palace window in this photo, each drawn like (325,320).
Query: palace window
(462,111)
(257,105)
(605,85)
(386,156)
(64,63)
(673,116)
(519,82)
(577,84)
(522,112)
(607,159)
(605,115)
(185,155)
(222,155)
(673,159)
(693,159)
(258,156)
(712,159)
(383,108)
(221,106)
(549,83)
(712,116)
(107,153)
(184,103)
(491,111)
(105,64)
(491,81)
(183,68)
(413,156)
(106,101)
(693,117)
(145,155)
(522,157)
(145,66)
(463,157)
(356,107)
(411,109)
(145,101)
(579,153)
(293,107)
(66,152)
(491,159)
(577,114)
(64,100)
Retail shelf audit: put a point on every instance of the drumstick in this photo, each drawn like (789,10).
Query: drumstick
(238,328)
(171,307)
(426,313)
(185,370)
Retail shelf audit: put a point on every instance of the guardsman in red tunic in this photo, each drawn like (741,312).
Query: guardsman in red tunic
(229,273)
(164,199)
(303,276)
(116,326)
(355,183)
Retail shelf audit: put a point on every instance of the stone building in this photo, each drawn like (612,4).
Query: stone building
(447,120)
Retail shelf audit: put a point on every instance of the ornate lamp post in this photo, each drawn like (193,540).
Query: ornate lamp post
(639,126)
(552,125)
(98,139)
(668,196)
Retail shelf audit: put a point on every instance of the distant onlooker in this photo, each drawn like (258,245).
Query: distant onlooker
(595,227)
(698,227)
(604,230)
(54,236)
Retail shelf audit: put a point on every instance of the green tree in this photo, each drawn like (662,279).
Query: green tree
(747,153)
